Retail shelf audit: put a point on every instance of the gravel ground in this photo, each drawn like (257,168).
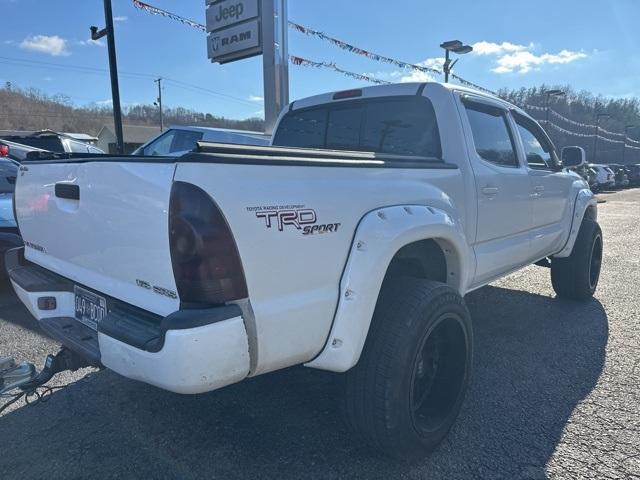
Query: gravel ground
(555,393)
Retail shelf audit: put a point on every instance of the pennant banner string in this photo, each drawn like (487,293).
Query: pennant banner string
(299,61)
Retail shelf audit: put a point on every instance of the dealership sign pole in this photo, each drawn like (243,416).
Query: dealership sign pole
(241,29)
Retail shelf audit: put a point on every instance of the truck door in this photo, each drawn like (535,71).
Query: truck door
(502,189)
(550,188)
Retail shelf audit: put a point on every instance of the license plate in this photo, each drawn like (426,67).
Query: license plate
(90,308)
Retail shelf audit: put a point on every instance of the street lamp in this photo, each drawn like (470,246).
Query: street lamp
(550,93)
(626,134)
(595,142)
(457,47)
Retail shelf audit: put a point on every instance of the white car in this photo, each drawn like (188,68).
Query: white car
(178,140)
(605,178)
(348,246)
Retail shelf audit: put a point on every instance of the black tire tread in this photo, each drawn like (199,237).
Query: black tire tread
(570,275)
(366,383)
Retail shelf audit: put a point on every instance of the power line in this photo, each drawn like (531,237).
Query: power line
(102,71)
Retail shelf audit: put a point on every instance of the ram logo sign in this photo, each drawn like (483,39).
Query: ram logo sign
(234,27)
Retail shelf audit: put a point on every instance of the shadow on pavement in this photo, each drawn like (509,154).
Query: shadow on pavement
(536,358)
(14,312)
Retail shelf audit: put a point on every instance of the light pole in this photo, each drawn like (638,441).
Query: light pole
(113,70)
(595,142)
(457,47)
(549,93)
(626,134)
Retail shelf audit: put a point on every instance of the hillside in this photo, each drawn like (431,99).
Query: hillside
(572,120)
(30,109)
(572,117)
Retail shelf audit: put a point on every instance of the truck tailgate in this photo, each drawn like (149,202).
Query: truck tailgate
(103,225)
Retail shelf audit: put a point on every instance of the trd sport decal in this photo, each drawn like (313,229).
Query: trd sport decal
(293,216)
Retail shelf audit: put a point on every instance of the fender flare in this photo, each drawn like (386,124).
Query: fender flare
(584,199)
(379,236)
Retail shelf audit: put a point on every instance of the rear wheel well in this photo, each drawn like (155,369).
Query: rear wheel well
(422,259)
(591,213)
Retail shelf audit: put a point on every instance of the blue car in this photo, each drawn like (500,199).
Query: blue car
(9,234)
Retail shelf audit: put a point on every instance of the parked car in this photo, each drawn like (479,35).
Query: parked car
(52,141)
(179,140)
(633,173)
(17,151)
(347,246)
(592,179)
(621,179)
(605,178)
(9,235)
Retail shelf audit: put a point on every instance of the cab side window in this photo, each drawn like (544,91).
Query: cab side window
(537,148)
(491,134)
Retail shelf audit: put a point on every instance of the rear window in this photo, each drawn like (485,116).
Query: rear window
(50,142)
(395,125)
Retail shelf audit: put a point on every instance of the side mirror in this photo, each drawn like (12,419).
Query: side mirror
(573,157)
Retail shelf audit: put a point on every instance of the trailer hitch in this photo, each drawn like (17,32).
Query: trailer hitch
(31,383)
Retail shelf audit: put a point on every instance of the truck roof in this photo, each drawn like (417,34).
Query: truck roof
(409,88)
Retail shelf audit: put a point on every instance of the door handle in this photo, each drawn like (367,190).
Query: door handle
(67,190)
(490,191)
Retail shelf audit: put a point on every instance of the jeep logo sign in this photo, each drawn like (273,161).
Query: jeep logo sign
(236,42)
(225,13)
(235,29)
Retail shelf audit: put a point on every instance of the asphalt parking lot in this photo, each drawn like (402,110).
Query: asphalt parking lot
(555,393)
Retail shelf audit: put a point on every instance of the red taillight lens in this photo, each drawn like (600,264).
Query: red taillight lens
(4,150)
(356,92)
(204,256)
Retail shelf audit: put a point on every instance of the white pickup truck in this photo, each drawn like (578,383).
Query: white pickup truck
(348,245)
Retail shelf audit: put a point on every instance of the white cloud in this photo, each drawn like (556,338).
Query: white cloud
(120,18)
(106,103)
(52,45)
(419,76)
(90,41)
(513,57)
(525,61)
(255,98)
(491,48)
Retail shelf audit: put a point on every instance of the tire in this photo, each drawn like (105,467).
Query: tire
(576,276)
(415,320)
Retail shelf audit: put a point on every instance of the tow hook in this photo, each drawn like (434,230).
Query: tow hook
(31,383)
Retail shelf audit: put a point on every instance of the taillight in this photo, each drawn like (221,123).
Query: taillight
(356,92)
(204,256)
(4,150)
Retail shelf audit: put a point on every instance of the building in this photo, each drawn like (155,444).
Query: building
(134,136)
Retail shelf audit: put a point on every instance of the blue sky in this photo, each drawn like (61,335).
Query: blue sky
(590,45)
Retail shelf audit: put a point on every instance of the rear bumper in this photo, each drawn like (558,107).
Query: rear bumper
(189,351)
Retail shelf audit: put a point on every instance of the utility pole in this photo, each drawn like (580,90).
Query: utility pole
(113,71)
(595,142)
(549,93)
(624,146)
(159,101)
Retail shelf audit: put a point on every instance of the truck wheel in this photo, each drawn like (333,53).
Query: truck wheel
(405,393)
(576,276)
